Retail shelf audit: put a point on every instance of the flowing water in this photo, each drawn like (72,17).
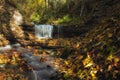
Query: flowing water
(46,31)
(41,70)
(59,31)
(43,31)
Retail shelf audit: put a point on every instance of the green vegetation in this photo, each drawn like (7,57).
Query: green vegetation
(51,11)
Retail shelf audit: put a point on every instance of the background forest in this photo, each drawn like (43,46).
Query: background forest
(56,11)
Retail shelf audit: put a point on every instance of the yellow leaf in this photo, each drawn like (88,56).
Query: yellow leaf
(70,71)
(87,62)
(66,62)
(110,57)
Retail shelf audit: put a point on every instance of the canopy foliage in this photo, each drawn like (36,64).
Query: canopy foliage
(52,11)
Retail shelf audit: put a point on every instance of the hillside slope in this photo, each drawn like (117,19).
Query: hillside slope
(96,54)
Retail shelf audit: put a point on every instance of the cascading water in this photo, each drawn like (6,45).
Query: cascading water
(41,70)
(59,31)
(43,31)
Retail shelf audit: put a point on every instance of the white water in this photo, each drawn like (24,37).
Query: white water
(9,47)
(43,31)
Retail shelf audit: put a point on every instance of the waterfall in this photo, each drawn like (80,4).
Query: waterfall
(59,31)
(43,31)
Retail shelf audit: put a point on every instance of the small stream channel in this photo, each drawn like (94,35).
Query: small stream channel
(43,66)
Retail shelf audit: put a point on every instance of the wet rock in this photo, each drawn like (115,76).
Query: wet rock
(30,59)
(38,66)
(41,65)
(8,47)
(45,74)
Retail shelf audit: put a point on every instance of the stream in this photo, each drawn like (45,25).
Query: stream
(43,66)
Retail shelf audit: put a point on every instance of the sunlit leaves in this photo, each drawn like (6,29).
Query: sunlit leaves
(65,18)
(11,58)
(110,57)
(35,17)
(9,62)
(87,62)
(3,59)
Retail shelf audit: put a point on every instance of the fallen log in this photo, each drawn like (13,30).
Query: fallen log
(45,46)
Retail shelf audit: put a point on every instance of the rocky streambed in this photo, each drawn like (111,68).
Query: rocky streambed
(34,66)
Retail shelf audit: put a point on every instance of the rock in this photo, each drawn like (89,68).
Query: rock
(37,65)
(8,47)
(24,51)
(17,18)
(2,65)
(15,21)
(45,74)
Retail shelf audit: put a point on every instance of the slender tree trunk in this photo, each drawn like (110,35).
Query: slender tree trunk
(82,8)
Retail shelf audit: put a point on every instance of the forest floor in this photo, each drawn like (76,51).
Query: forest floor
(92,56)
